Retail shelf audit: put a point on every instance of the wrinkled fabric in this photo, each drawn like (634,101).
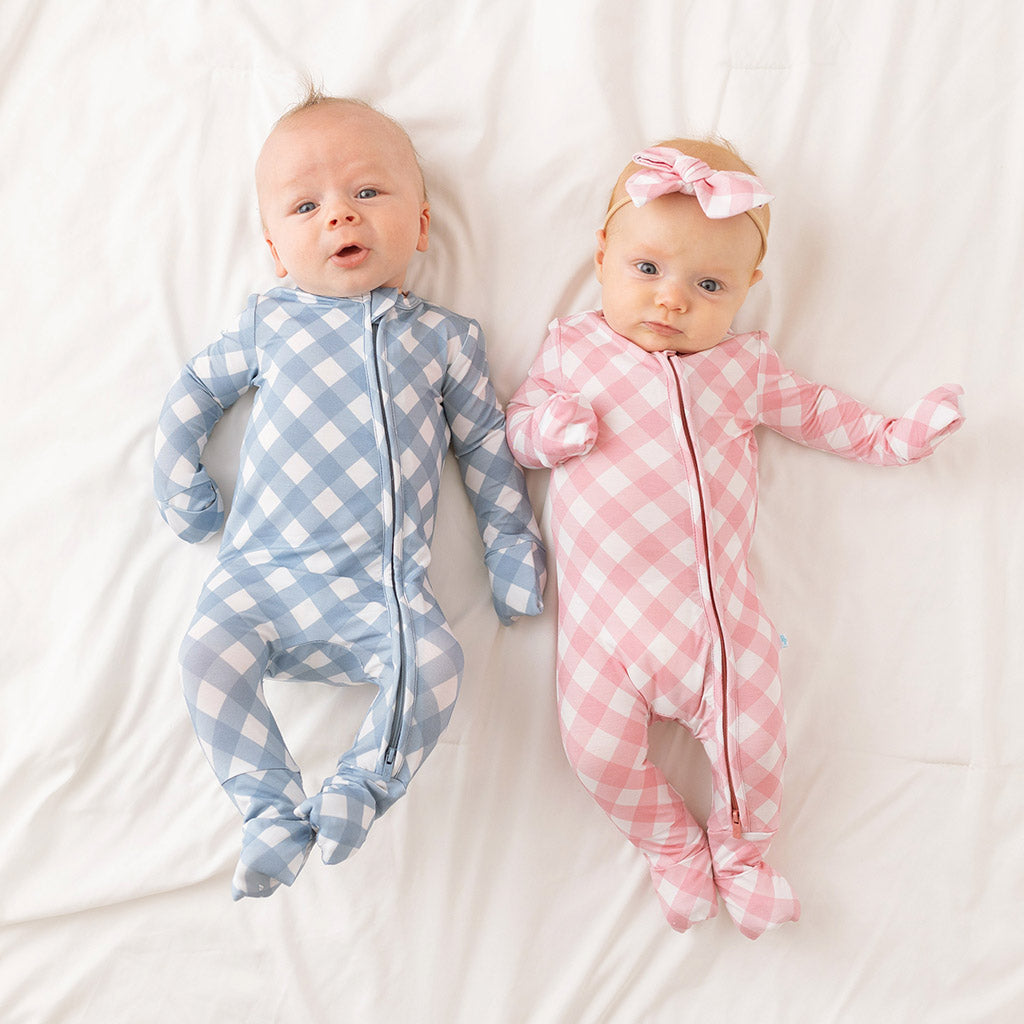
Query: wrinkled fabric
(322,571)
(653,502)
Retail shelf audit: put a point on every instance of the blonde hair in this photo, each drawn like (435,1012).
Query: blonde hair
(719,155)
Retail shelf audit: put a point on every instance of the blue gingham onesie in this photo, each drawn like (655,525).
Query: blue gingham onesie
(322,571)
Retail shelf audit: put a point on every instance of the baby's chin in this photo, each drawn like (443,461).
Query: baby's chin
(658,340)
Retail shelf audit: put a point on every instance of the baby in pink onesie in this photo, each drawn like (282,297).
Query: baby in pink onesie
(645,410)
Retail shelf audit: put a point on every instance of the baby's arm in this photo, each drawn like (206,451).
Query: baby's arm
(189,500)
(548,425)
(824,418)
(515,557)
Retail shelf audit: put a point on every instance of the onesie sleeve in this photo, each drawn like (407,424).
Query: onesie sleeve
(513,551)
(210,382)
(548,424)
(824,418)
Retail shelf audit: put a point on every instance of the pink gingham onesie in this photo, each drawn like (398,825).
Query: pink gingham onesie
(653,500)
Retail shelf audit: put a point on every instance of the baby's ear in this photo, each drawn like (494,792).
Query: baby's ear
(756,276)
(424,239)
(602,245)
(279,267)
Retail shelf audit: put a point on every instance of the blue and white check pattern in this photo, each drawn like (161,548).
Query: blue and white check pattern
(322,569)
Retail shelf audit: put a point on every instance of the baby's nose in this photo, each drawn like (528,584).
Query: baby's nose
(671,296)
(342,214)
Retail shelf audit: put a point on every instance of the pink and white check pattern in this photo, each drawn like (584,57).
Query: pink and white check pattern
(721,194)
(658,612)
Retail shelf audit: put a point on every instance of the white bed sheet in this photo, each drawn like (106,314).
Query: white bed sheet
(496,892)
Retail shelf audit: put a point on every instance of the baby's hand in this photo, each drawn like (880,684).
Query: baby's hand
(930,420)
(197,513)
(565,426)
(518,574)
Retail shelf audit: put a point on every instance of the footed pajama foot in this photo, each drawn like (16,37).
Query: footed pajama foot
(276,839)
(756,897)
(686,888)
(274,848)
(341,815)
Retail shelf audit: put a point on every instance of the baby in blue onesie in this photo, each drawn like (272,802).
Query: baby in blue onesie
(322,570)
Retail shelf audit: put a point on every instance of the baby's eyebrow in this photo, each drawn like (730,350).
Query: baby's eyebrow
(294,188)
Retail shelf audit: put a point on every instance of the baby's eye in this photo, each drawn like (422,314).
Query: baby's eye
(366,193)
(305,207)
(646,267)
(710,285)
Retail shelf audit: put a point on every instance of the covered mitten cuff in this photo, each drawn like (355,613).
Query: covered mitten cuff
(930,420)
(195,514)
(566,426)
(518,573)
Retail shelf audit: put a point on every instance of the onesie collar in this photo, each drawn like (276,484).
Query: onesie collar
(380,300)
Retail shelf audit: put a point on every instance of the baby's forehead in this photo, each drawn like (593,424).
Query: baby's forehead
(332,134)
(674,226)
(346,131)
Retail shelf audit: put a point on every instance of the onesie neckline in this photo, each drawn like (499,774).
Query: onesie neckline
(640,354)
(380,300)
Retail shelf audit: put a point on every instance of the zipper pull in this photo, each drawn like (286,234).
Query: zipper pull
(737,829)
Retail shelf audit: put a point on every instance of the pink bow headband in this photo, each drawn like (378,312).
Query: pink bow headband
(721,194)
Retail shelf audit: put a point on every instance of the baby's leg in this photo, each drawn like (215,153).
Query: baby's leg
(276,837)
(413,706)
(223,662)
(350,800)
(605,731)
(757,897)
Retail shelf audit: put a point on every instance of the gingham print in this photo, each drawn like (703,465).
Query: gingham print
(644,605)
(276,838)
(756,896)
(721,194)
(684,883)
(321,573)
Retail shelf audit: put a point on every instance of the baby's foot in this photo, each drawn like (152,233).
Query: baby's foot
(341,815)
(758,900)
(276,839)
(686,889)
(757,897)
(274,848)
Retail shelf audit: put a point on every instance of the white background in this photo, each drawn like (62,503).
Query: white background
(496,892)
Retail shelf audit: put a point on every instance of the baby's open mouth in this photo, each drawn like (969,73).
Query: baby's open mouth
(350,256)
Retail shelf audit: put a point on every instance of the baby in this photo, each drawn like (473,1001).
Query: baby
(646,409)
(322,571)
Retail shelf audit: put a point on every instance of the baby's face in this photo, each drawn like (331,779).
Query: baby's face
(342,201)
(671,278)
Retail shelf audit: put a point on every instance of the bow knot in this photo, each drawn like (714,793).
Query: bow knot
(721,194)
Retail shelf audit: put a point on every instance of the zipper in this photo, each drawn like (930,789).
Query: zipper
(737,828)
(395,732)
